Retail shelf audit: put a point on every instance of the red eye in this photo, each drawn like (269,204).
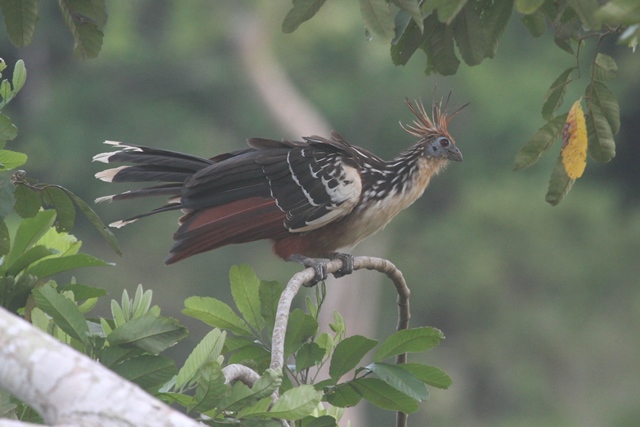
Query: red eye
(444,142)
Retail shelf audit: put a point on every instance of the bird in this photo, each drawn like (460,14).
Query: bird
(312,198)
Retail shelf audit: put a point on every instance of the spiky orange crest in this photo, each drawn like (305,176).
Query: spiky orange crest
(428,127)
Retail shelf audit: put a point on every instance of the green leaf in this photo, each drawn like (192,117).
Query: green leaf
(251,354)
(438,45)
(604,68)
(377,17)
(448,10)
(19,73)
(383,395)
(269,294)
(215,313)
(27,258)
(11,159)
(602,147)
(469,35)
(149,332)
(310,354)
(302,11)
(29,232)
(296,403)
(64,312)
(348,353)
(8,130)
(429,375)
(50,266)
(325,342)
(531,152)
(28,201)
(107,235)
(245,287)
(406,45)
(414,340)
(207,349)
(586,10)
(559,184)
(494,17)
(599,94)
(400,379)
(83,292)
(20,17)
(528,6)
(412,7)
(300,328)
(61,202)
(147,371)
(258,409)
(211,387)
(7,197)
(535,23)
(619,12)
(85,19)
(267,384)
(343,396)
(5,239)
(555,95)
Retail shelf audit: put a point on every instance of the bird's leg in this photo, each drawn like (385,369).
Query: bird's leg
(347,264)
(318,266)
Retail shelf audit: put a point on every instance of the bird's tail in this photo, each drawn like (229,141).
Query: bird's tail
(169,168)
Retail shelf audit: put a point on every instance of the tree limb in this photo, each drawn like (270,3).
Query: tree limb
(68,388)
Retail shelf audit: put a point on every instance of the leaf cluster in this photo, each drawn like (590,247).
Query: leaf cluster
(85,19)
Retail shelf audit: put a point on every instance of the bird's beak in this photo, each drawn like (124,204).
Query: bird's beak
(454,154)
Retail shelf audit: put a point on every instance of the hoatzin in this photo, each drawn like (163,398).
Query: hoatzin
(311,198)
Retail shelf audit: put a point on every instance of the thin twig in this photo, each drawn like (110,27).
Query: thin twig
(306,275)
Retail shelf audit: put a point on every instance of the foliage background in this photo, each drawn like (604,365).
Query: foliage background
(540,305)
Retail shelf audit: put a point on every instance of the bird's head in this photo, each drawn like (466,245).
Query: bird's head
(432,131)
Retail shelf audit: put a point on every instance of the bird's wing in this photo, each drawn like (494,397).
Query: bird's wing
(316,183)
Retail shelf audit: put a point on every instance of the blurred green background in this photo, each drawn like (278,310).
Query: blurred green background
(540,305)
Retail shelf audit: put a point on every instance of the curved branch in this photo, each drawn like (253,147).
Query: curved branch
(237,372)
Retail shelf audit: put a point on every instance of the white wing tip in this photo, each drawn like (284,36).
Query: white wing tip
(108,174)
(104,199)
(122,223)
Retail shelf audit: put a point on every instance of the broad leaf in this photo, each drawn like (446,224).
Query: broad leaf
(410,40)
(83,292)
(245,287)
(619,12)
(412,7)
(215,313)
(528,6)
(383,395)
(448,10)
(30,231)
(85,19)
(400,379)
(149,332)
(409,341)
(11,159)
(343,396)
(429,375)
(599,94)
(61,202)
(348,353)
(494,18)
(211,388)
(207,349)
(5,239)
(64,312)
(377,17)
(586,10)
(604,68)
(531,152)
(300,328)
(7,197)
(147,371)
(20,17)
(438,45)
(602,147)
(310,354)
(296,403)
(50,266)
(27,258)
(8,130)
(574,142)
(535,23)
(469,35)
(269,294)
(302,11)
(28,201)
(559,184)
(555,95)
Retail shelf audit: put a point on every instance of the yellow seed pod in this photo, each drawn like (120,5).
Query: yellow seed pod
(574,142)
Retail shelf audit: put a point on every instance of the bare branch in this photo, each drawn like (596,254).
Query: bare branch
(236,372)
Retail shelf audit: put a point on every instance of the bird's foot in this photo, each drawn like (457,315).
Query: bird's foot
(347,264)
(319,267)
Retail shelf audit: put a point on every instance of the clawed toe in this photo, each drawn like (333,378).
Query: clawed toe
(347,264)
